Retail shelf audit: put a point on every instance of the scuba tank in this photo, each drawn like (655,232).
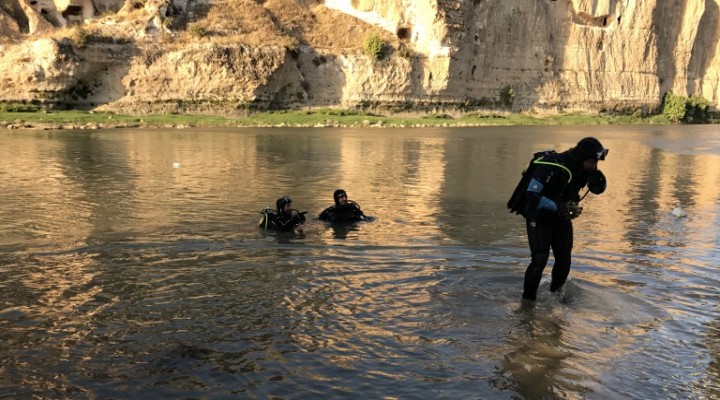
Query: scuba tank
(516,204)
(268,217)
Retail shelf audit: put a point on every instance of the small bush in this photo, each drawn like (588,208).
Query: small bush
(438,116)
(292,44)
(405,51)
(507,96)
(674,107)
(699,112)
(693,110)
(168,22)
(18,107)
(197,31)
(151,54)
(373,46)
(80,37)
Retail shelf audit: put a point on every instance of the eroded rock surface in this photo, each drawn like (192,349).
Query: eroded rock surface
(522,54)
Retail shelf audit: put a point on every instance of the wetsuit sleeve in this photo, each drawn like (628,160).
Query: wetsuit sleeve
(534,197)
(326,214)
(289,224)
(576,197)
(357,212)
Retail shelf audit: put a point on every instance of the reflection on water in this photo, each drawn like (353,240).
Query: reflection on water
(130,266)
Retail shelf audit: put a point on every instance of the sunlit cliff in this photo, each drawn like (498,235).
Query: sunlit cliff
(188,55)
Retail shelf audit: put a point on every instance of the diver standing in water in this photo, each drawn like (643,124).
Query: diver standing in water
(548,196)
(286,219)
(344,210)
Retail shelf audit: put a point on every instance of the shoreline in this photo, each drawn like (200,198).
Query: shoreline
(322,118)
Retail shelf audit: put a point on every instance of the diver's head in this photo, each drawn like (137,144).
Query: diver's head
(588,151)
(340,197)
(284,204)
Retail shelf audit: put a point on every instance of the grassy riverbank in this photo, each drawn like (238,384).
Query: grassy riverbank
(309,118)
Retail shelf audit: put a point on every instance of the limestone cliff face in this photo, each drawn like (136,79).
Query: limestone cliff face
(149,79)
(523,54)
(566,53)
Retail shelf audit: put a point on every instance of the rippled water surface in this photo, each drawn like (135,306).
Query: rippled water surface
(131,267)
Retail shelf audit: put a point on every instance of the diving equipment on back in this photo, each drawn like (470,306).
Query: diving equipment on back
(517,203)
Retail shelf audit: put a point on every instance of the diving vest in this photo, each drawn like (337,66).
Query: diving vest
(517,203)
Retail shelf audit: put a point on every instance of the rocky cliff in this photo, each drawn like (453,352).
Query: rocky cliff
(163,55)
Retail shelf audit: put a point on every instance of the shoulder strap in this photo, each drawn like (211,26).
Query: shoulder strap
(545,159)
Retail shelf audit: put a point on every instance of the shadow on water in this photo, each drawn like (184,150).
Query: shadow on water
(342,231)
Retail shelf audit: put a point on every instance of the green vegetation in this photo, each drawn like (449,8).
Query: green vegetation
(76,118)
(80,36)
(168,22)
(292,44)
(692,110)
(507,95)
(14,114)
(197,30)
(373,46)
(405,51)
(12,108)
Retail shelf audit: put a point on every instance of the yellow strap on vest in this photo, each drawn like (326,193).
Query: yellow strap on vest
(540,161)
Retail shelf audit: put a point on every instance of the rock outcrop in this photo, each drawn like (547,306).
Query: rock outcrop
(524,54)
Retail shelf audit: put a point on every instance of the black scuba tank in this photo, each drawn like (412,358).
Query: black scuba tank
(517,203)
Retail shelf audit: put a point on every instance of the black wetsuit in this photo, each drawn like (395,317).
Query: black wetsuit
(280,222)
(554,182)
(349,212)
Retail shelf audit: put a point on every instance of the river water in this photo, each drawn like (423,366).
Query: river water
(131,267)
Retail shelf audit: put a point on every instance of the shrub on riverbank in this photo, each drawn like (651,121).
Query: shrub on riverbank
(692,110)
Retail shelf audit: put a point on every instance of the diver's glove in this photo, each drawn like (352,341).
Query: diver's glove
(597,182)
(299,217)
(569,210)
(563,211)
(575,210)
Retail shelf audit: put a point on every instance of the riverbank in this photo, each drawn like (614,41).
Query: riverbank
(58,120)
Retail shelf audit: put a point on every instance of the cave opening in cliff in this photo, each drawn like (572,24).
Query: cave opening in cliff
(73,14)
(404,33)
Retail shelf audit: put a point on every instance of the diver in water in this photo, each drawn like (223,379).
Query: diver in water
(551,203)
(286,219)
(344,210)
